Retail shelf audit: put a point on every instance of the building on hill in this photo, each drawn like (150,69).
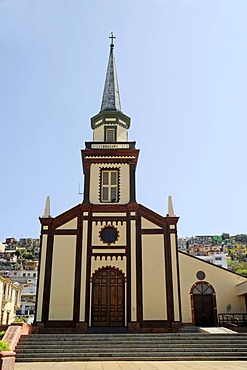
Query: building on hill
(218,259)
(2,248)
(236,249)
(10,297)
(10,240)
(183,244)
(204,249)
(31,265)
(112,262)
(26,280)
(28,299)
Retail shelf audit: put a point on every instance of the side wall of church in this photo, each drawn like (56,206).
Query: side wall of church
(223,282)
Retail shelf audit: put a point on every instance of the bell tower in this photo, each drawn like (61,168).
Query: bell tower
(109,161)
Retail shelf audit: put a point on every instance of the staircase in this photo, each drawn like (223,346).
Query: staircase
(117,347)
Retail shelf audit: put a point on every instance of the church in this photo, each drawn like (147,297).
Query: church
(112,262)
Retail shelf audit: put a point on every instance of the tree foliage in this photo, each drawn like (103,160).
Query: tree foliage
(225,236)
(241,238)
(239,267)
(4,346)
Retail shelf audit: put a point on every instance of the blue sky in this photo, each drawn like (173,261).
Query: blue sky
(183,81)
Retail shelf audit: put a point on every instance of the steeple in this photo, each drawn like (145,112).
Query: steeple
(110,125)
(111,97)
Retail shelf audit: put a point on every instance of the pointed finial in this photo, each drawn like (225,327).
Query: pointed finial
(112,37)
(170,207)
(47,212)
(111,97)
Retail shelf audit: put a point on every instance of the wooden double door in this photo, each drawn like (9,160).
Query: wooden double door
(204,310)
(108,298)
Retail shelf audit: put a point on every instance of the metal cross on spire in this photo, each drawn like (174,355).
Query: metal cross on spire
(112,37)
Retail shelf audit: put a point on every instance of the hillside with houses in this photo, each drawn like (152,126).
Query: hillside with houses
(223,250)
(19,260)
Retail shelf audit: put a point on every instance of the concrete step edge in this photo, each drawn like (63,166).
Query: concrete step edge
(134,358)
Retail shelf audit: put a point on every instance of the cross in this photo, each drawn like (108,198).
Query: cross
(112,39)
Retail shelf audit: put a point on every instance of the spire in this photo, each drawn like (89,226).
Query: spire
(170,207)
(111,98)
(47,212)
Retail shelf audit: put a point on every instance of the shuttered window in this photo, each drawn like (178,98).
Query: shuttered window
(109,186)
(110,134)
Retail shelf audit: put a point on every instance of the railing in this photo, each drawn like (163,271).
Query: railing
(113,145)
(26,312)
(234,319)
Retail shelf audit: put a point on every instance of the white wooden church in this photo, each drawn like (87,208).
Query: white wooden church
(111,262)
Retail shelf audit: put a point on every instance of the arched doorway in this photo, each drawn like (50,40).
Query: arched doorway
(108,298)
(204,304)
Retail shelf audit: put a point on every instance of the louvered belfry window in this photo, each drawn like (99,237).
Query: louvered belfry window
(109,186)
(110,134)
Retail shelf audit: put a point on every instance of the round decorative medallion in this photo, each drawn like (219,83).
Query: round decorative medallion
(109,235)
(200,275)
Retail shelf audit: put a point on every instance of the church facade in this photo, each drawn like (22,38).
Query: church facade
(111,262)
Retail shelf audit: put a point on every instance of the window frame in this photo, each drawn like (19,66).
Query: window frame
(104,239)
(109,186)
(114,128)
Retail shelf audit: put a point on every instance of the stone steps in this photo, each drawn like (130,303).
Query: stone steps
(95,347)
(117,347)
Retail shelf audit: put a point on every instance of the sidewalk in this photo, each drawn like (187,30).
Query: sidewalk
(133,365)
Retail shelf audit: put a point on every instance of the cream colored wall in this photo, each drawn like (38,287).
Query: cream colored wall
(112,250)
(41,278)
(62,278)
(108,214)
(145,224)
(122,134)
(175,277)
(124,183)
(153,275)
(94,193)
(99,132)
(113,262)
(223,282)
(83,271)
(72,224)
(98,226)
(133,270)
(241,288)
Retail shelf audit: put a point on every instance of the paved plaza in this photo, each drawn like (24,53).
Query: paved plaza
(134,365)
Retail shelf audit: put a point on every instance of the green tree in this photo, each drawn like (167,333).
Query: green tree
(225,236)
(28,256)
(239,267)
(241,238)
